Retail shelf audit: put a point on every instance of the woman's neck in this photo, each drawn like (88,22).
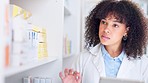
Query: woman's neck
(114,51)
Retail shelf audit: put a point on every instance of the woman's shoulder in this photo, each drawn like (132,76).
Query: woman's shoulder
(85,53)
(144,59)
(144,63)
(93,51)
(88,54)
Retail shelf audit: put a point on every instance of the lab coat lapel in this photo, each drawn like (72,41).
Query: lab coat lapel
(98,60)
(99,64)
(125,67)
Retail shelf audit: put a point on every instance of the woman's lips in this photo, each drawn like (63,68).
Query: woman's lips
(105,37)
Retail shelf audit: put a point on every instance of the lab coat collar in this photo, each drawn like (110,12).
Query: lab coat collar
(98,60)
(95,50)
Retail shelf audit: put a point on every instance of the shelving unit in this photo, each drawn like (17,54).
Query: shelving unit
(72,32)
(48,14)
(72,28)
(15,70)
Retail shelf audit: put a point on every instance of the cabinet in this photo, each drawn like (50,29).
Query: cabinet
(45,13)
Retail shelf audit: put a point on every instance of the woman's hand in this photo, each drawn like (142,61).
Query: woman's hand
(70,76)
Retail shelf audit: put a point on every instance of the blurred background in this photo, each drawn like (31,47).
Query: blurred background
(40,38)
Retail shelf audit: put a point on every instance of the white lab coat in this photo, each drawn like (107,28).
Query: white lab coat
(91,66)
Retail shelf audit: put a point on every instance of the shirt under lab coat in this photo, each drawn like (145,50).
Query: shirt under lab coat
(91,66)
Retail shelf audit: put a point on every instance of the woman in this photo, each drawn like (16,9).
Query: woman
(116,35)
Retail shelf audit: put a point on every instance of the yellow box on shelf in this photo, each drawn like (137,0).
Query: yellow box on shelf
(42,44)
(42,50)
(17,10)
(35,28)
(26,14)
(67,45)
(45,53)
(43,30)
(42,35)
(39,50)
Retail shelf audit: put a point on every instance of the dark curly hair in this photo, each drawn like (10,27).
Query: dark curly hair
(126,12)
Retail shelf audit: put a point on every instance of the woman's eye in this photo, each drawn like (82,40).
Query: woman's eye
(115,25)
(103,22)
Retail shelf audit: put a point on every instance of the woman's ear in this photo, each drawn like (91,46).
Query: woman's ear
(127,29)
(125,34)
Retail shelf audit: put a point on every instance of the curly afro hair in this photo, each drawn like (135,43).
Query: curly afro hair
(126,12)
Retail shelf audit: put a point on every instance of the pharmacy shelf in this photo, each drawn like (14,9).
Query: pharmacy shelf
(67,56)
(18,69)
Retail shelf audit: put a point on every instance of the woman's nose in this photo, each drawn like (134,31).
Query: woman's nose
(106,30)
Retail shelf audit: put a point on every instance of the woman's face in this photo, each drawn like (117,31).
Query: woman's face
(111,31)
